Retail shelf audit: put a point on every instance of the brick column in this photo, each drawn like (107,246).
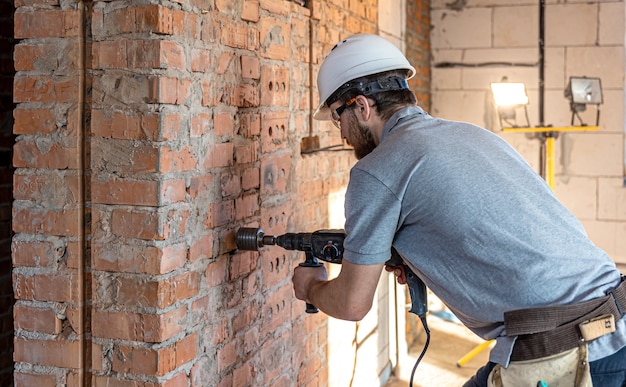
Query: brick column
(49,209)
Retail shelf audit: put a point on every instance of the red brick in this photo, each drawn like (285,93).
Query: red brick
(227,355)
(47,23)
(25,55)
(177,160)
(45,287)
(274,131)
(201,60)
(275,268)
(224,124)
(224,63)
(169,90)
(33,121)
(250,125)
(200,124)
(274,86)
(240,36)
(56,190)
(246,153)
(138,259)
(220,155)
(117,191)
(277,309)
(200,373)
(243,264)
(201,248)
(243,375)
(35,319)
(150,328)
(36,253)
(250,66)
(139,126)
(138,224)
(139,292)
(216,272)
(50,222)
(53,353)
(200,185)
(275,174)
(29,154)
(250,178)
(246,206)
(230,185)
(172,191)
(278,8)
(250,10)
(245,95)
(221,213)
(276,38)
(28,380)
(44,89)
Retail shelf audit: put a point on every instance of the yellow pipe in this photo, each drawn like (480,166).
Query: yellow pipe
(471,354)
(544,129)
(550,161)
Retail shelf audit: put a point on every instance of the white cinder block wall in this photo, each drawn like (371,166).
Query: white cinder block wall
(582,38)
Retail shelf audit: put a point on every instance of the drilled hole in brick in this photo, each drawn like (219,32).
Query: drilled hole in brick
(271,222)
(271,85)
(269,131)
(277,309)
(282,172)
(276,86)
(283,85)
(271,267)
(277,263)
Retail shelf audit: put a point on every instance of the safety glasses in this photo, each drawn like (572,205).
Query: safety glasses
(336,114)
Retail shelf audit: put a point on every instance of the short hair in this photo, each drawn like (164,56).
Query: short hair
(385,102)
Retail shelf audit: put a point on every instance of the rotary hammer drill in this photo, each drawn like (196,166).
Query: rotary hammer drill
(327,245)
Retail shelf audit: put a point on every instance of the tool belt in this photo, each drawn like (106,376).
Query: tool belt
(551,330)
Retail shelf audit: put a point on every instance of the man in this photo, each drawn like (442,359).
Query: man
(471,218)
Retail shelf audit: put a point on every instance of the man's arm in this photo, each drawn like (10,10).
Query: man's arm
(347,297)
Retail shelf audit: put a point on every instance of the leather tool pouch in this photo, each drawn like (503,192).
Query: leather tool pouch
(566,369)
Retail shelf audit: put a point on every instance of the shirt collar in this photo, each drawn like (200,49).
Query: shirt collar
(393,121)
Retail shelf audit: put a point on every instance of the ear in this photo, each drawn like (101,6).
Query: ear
(363,110)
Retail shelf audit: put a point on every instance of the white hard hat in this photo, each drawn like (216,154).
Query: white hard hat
(356,56)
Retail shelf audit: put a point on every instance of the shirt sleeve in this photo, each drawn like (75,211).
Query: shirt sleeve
(372,212)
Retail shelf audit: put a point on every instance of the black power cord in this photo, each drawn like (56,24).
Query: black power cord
(419,359)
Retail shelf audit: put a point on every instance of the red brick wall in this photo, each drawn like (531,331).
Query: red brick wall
(139,154)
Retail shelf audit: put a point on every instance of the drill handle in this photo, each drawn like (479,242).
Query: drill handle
(419,295)
(310,261)
(417,288)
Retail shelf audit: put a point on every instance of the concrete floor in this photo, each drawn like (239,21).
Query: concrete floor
(449,342)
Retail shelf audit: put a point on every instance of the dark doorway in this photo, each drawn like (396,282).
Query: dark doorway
(7,73)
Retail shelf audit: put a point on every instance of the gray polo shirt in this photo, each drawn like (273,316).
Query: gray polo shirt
(476,223)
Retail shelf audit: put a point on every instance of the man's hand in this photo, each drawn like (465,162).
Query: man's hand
(398,271)
(304,278)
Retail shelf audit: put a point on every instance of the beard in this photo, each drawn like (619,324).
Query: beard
(359,137)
